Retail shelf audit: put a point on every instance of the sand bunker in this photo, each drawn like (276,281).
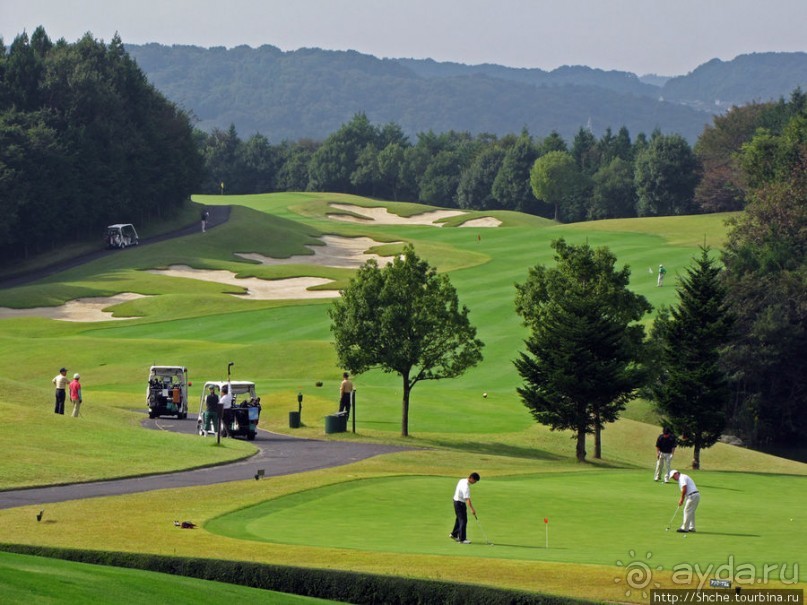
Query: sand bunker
(339,252)
(485,221)
(257,288)
(381,216)
(80,309)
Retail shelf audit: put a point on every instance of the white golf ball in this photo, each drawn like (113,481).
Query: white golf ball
(685,535)
(485,395)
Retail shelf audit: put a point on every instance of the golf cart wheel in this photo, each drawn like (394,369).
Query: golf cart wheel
(182,416)
(250,436)
(152,415)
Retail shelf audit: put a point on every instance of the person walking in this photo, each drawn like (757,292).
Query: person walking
(462,502)
(75,394)
(345,395)
(60,381)
(205,217)
(661,273)
(665,448)
(690,494)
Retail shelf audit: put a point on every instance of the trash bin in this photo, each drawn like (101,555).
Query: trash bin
(294,420)
(333,424)
(342,422)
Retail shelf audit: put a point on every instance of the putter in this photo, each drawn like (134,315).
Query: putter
(672,518)
(482,529)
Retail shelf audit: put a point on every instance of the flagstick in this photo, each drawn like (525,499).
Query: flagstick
(546,528)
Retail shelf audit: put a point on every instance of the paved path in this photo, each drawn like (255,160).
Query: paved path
(277,455)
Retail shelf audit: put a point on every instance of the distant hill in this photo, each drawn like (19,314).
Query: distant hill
(310,93)
(717,85)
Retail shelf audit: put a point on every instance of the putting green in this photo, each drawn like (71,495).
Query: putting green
(597,518)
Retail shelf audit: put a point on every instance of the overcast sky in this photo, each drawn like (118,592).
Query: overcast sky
(665,37)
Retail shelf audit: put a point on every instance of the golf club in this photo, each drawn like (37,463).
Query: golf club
(482,529)
(672,518)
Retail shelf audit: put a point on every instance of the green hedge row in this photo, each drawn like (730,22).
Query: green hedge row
(350,587)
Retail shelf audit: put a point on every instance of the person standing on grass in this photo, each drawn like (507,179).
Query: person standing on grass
(462,502)
(345,394)
(205,217)
(661,273)
(226,403)
(60,381)
(75,394)
(211,413)
(690,493)
(665,448)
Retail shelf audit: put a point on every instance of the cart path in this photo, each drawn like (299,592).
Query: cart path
(218,216)
(277,455)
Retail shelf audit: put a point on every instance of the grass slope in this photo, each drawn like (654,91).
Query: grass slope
(389,514)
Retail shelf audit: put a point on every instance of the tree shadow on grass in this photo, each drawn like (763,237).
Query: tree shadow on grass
(722,533)
(496,449)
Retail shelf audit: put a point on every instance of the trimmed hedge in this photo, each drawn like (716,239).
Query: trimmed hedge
(350,587)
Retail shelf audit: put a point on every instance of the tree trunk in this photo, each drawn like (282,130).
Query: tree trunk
(405,408)
(696,459)
(597,436)
(581,444)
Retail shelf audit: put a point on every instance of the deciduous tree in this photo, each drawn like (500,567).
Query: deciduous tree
(404,318)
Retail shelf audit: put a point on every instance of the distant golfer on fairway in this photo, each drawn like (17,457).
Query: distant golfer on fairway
(689,492)
(462,501)
(665,448)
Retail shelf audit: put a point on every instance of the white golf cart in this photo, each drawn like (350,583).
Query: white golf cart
(167,391)
(121,235)
(239,421)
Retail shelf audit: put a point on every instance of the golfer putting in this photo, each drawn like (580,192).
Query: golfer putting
(690,494)
(462,502)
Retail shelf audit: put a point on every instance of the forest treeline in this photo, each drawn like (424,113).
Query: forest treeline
(613,176)
(85,140)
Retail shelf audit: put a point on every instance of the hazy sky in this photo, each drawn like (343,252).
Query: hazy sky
(666,37)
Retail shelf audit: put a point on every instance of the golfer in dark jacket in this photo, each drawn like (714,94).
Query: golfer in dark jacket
(665,448)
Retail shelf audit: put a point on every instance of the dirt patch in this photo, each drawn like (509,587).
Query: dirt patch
(257,288)
(80,309)
(340,252)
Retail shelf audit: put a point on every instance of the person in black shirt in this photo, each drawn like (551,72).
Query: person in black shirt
(211,419)
(665,448)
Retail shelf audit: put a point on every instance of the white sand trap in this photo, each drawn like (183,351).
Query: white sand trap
(381,216)
(485,221)
(259,289)
(339,252)
(80,309)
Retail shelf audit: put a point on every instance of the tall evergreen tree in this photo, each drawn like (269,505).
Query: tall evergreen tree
(581,364)
(691,389)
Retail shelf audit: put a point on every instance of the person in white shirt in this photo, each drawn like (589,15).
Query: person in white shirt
(690,493)
(462,502)
(226,403)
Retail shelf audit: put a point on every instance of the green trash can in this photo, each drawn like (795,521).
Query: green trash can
(333,424)
(294,420)
(342,423)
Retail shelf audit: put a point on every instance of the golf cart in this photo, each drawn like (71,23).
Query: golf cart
(121,235)
(167,391)
(239,421)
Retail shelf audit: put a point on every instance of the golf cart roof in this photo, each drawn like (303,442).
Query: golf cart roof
(238,386)
(120,226)
(168,369)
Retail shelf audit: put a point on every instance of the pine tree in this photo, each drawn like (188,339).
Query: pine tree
(692,389)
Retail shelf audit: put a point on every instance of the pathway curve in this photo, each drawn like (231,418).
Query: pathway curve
(277,455)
